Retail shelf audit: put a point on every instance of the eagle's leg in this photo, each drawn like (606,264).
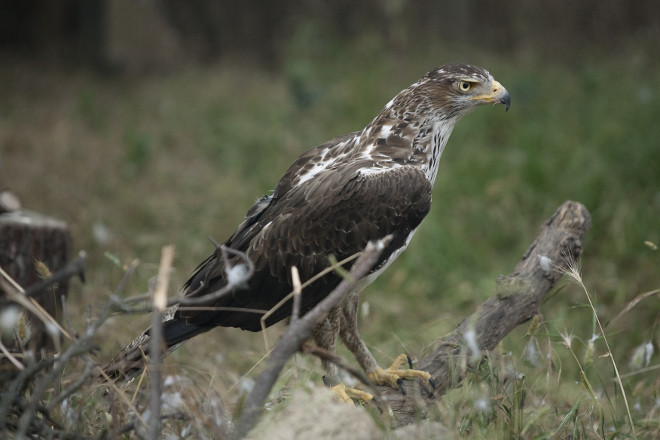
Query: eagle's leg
(325,336)
(350,335)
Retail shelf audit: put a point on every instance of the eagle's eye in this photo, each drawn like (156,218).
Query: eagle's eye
(464,86)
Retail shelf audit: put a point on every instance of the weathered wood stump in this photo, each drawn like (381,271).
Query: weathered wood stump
(517,299)
(25,239)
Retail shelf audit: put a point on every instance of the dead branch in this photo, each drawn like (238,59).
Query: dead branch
(517,299)
(122,304)
(155,344)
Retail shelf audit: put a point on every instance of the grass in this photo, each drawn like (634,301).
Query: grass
(173,158)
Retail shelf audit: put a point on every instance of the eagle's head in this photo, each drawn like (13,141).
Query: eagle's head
(449,92)
(458,88)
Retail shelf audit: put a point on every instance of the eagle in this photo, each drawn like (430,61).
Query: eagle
(332,201)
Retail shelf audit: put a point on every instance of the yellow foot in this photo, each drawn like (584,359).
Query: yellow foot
(394,375)
(348,394)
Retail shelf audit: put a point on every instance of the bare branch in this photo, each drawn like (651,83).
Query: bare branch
(11,357)
(155,344)
(297,292)
(209,298)
(15,293)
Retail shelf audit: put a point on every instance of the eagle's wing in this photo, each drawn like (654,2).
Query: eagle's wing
(337,212)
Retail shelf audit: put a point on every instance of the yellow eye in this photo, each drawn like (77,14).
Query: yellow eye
(464,86)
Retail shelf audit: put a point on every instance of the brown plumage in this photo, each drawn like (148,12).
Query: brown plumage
(332,200)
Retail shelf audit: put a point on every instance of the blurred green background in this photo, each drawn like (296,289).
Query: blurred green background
(148,123)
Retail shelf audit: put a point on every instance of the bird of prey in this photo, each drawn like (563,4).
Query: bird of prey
(333,200)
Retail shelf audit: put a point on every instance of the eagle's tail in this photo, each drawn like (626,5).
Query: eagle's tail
(130,362)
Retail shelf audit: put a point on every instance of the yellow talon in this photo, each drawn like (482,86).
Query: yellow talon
(393,375)
(347,394)
(400,359)
(383,377)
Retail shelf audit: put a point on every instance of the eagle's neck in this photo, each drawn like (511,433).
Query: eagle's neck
(432,145)
(394,139)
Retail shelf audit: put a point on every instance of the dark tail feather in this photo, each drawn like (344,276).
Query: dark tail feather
(177,331)
(130,362)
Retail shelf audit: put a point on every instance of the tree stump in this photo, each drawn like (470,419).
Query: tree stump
(25,239)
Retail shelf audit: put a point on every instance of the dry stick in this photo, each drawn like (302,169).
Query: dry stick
(336,266)
(155,347)
(11,358)
(518,299)
(208,298)
(15,293)
(299,332)
(297,293)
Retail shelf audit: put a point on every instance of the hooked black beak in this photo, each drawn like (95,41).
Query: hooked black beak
(497,95)
(506,100)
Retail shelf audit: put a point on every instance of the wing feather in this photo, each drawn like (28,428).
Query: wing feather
(336,212)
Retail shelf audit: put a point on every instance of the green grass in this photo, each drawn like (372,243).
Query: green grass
(175,158)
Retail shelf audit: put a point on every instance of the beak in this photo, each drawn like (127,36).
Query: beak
(497,95)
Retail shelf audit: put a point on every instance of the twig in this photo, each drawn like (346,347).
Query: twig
(188,300)
(155,347)
(297,293)
(15,293)
(11,357)
(299,332)
(332,268)
(225,309)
